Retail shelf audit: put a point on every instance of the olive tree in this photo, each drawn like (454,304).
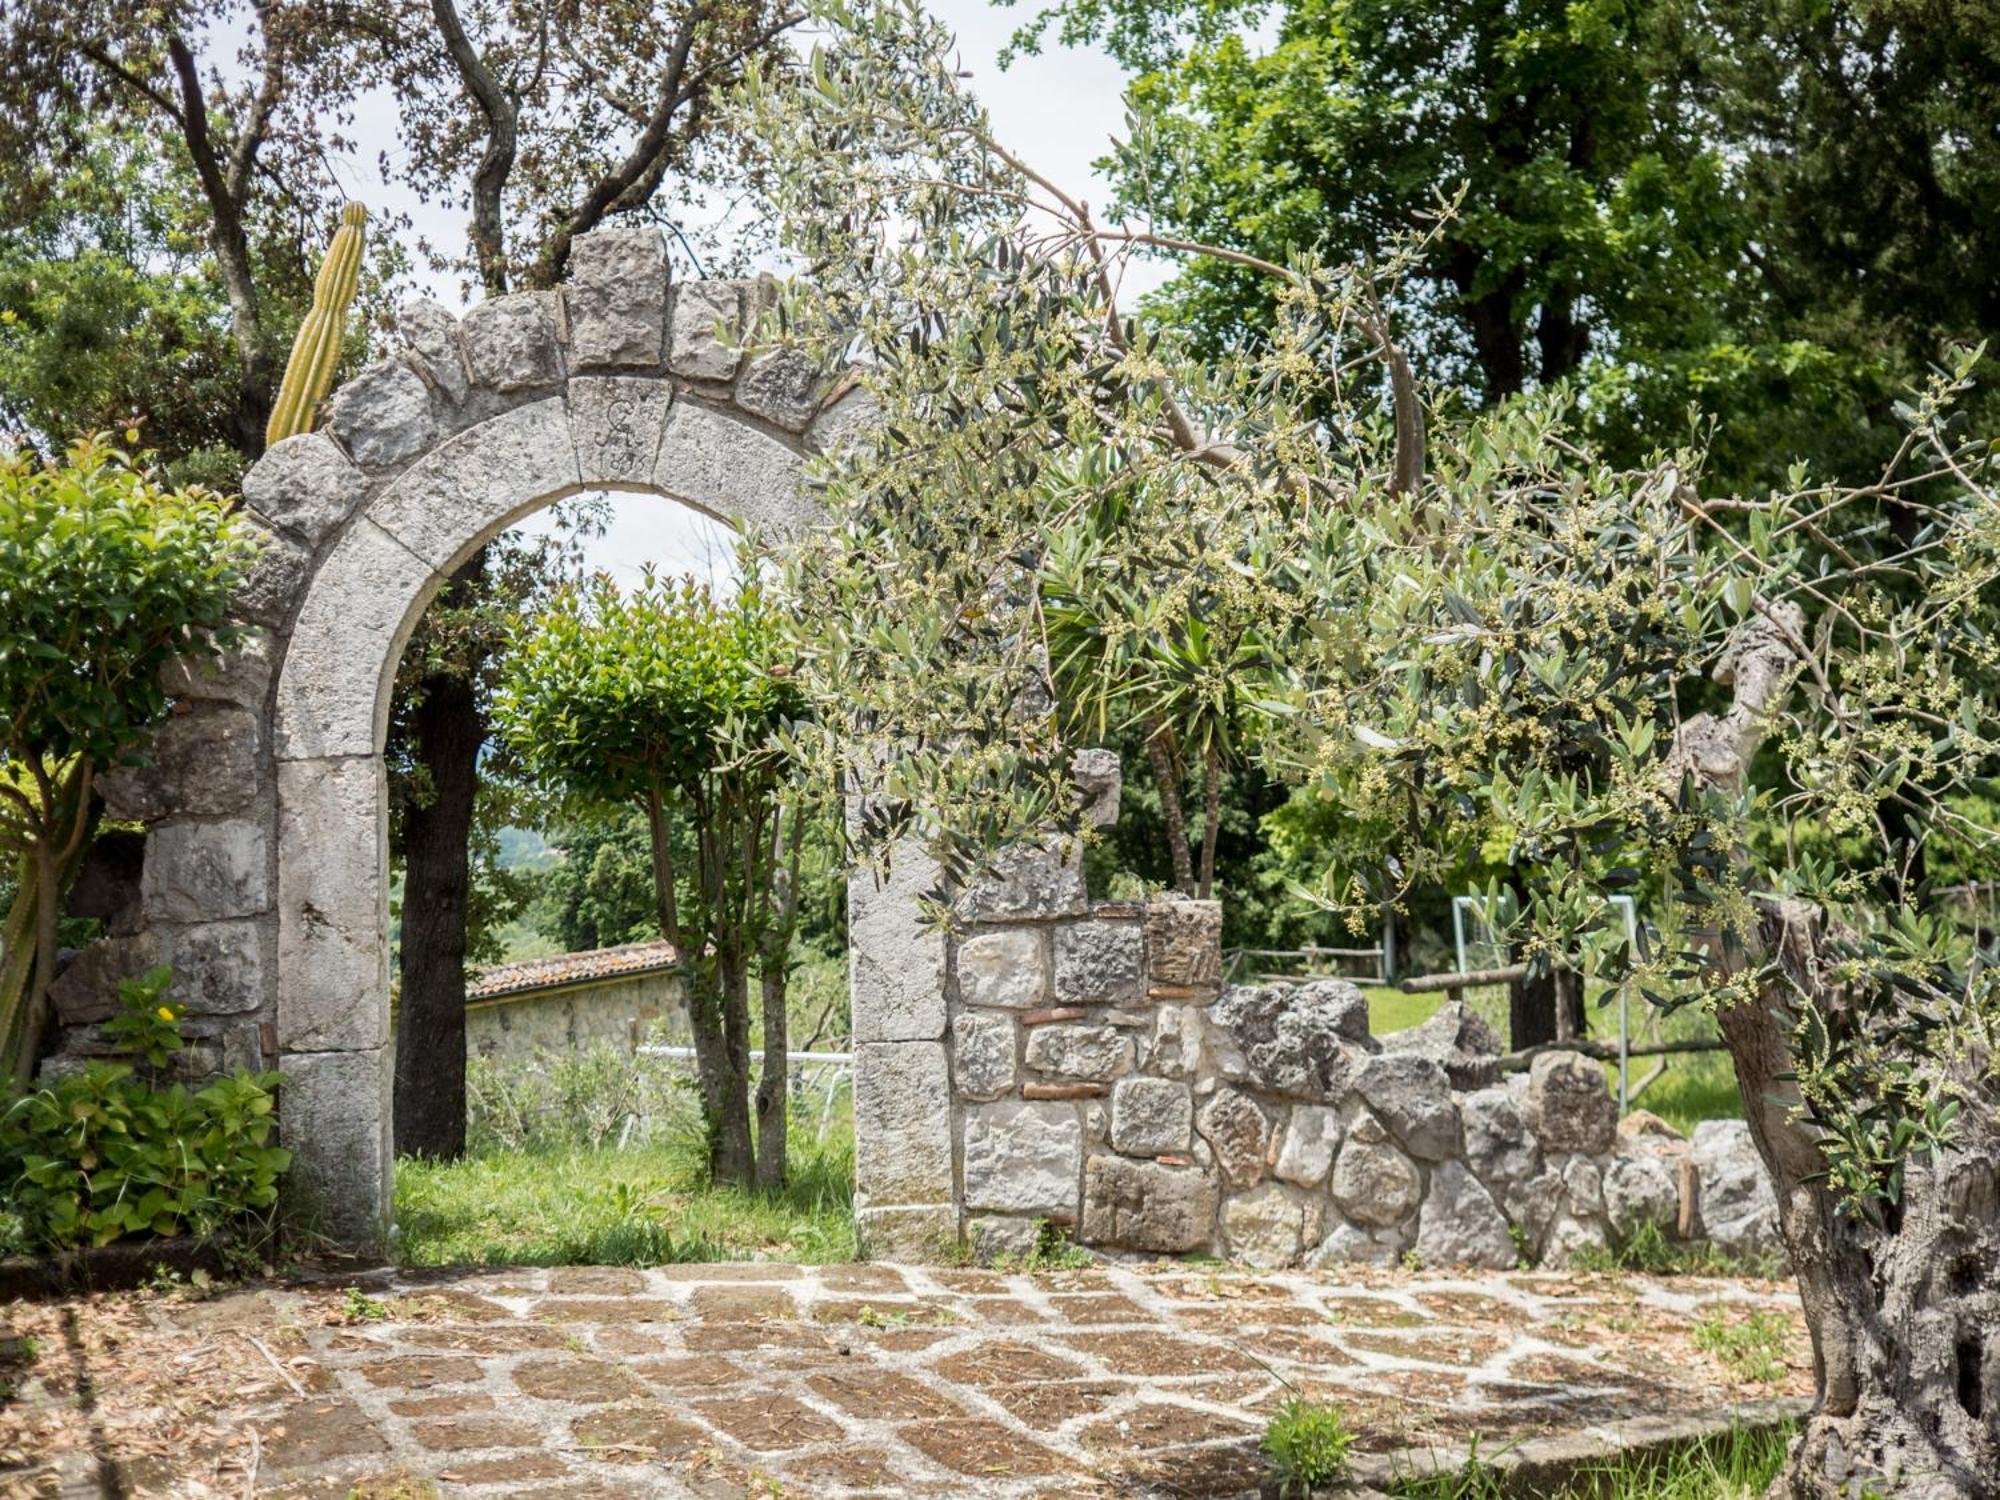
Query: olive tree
(1483,638)
(105,577)
(672,701)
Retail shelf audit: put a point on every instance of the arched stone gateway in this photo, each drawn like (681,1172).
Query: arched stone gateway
(1056,1060)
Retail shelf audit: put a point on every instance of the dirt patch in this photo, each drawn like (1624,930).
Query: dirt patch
(606,1310)
(863,1277)
(587,1382)
(1047,1406)
(691,1374)
(1372,1312)
(595,1281)
(978,1447)
(730,1338)
(1461,1349)
(1157,1425)
(735,1270)
(768,1423)
(319,1432)
(420,1372)
(1469,1309)
(870,1393)
(743,1304)
(517,1338)
(1148,1353)
(516,1468)
(1003,1312)
(463,1434)
(1006,1364)
(633,1434)
(442,1406)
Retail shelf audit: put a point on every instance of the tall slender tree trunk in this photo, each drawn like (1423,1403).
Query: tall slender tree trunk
(449,728)
(732,1155)
(1546,1008)
(1160,757)
(1211,816)
(774,1079)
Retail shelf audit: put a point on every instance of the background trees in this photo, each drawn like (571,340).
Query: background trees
(670,701)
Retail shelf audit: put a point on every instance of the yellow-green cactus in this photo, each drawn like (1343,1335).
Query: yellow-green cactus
(309,372)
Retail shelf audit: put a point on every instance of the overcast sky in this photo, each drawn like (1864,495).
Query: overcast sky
(1059,110)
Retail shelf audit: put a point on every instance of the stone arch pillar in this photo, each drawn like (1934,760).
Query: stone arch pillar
(272,905)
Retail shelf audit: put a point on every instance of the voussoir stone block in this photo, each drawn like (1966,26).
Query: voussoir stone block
(333,909)
(617,297)
(1023,1157)
(331,1117)
(982,1054)
(382,416)
(201,871)
(722,465)
(1094,1054)
(782,386)
(1151,1116)
(1100,962)
(333,690)
(846,418)
(511,343)
(480,480)
(902,1124)
(1007,968)
(431,343)
(1148,1206)
(703,330)
(1569,1104)
(616,422)
(895,962)
(306,483)
(276,581)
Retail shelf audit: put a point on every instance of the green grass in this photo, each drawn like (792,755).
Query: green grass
(1735,1465)
(641,1205)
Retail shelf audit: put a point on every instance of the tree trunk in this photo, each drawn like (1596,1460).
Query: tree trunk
(774,1079)
(448,728)
(1547,1007)
(1211,817)
(1904,1317)
(1160,757)
(731,1156)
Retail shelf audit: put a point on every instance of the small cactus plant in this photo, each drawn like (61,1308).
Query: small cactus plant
(309,372)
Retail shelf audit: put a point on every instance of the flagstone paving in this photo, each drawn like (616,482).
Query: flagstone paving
(757,1380)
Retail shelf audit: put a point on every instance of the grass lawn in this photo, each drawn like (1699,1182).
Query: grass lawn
(641,1205)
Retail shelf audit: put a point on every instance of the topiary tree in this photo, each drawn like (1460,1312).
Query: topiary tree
(1490,647)
(105,576)
(673,701)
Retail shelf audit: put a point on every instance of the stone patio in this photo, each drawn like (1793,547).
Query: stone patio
(778,1380)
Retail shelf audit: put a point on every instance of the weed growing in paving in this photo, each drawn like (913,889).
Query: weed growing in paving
(1751,1348)
(1053,1250)
(1307,1443)
(356,1306)
(1736,1465)
(1648,1250)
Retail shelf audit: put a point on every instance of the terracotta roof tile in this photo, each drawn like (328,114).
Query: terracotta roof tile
(570,968)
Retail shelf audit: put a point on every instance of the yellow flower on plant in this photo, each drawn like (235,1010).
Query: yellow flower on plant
(166,1012)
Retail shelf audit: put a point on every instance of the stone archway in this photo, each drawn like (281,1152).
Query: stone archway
(269,894)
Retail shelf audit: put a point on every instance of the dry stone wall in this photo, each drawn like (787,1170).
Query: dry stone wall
(1104,1079)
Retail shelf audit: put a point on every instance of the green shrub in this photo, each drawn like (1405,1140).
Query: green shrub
(1752,1348)
(575,1100)
(1307,1443)
(106,1154)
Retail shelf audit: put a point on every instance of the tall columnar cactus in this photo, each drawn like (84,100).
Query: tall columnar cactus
(316,350)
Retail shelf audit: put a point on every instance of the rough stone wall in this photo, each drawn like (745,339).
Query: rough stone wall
(1105,1080)
(623,1011)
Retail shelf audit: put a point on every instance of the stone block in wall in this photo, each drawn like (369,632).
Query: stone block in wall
(1374,1184)
(724,465)
(895,961)
(307,484)
(1100,962)
(1357,1244)
(1027,881)
(983,1054)
(1458,1039)
(902,1124)
(1641,1188)
(1295,1040)
(1022,1157)
(1312,1136)
(1239,1132)
(240,675)
(1007,968)
(276,582)
(1533,1203)
(431,344)
(333,1119)
(1271,1225)
(616,297)
(1099,780)
(1461,1225)
(1570,1239)
(1151,1116)
(1498,1143)
(1412,1096)
(1147,1206)
(990,1236)
(1583,1186)
(705,329)
(782,386)
(1092,1053)
(1570,1107)
(1176,1050)
(333,908)
(1184,942)
(86,990)
(199,871)
(382,417)
(1738,1208)
(616,422)
(847,417)
(907,1232)
(220,968)
(204,763)
(512,343)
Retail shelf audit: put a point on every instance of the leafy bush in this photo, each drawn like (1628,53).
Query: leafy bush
(573,1100)
(105,1154)
(1307,1442)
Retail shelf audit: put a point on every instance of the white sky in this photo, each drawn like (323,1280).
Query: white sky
(1058,110)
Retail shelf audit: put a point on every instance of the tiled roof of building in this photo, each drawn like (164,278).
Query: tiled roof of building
(565,969)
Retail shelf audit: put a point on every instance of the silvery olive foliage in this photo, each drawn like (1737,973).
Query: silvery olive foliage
(1480,640)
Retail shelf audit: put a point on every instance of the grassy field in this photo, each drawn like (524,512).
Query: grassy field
(625,1206)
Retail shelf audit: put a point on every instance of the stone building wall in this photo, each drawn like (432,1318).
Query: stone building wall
(1105,1080)
(623,1011)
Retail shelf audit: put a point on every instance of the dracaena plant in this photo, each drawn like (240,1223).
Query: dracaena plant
(1766,716)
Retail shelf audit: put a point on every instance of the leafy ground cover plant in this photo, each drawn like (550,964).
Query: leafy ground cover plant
(1307,1443)
(108,1153)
